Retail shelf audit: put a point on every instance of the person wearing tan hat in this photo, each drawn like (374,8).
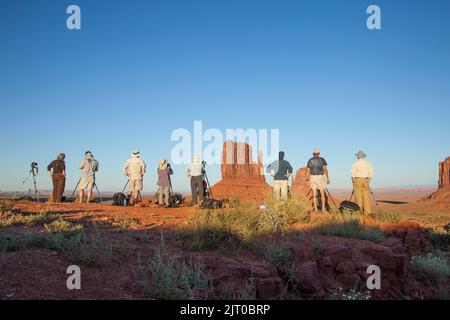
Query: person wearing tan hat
(361,172)
(164,183)
(317,175)
(135,169)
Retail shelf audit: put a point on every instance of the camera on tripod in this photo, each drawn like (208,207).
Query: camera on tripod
(32,173)
(34,168)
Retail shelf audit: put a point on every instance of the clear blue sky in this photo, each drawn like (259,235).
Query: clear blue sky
(137,70)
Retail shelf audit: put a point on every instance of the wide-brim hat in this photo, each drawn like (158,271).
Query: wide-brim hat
(136,154)
(360,154)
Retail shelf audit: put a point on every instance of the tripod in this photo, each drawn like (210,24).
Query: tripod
(33,173)
(95,186)
(205,177)
(327,192)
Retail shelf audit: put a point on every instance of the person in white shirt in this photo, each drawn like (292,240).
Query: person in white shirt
(195,174)
(135,169)
(361,172)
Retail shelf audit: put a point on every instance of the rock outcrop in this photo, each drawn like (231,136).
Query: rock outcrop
(444,174)
(443,193)
(300,187)
(241,176)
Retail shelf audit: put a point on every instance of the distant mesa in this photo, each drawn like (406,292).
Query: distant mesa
(241,176)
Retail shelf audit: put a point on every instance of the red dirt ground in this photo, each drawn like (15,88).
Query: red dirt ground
(41,274)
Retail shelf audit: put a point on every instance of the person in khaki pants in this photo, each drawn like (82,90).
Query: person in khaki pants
(361,175)
(280,170)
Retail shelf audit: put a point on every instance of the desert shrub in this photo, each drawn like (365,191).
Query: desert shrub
(163,277)
(6,206)
(124,223)
(386,217)
(54,241)
(343,226)
(62,226)
(281,257)
(440,239)
(9,242)
(11,218)
(352,294)
(430,266)
(92,251)
(279,214)
(124,248)
(223,229)
(247,291)
(317,247)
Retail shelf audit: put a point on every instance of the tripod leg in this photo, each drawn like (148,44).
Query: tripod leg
(76,187)
(209,186)
(123,190)
(376,202)
(23,183)
(96,188)
(329,194)
(35,188)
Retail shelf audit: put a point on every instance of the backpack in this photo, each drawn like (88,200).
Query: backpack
(119,199)
(212,204)
(349,206)
(175,199)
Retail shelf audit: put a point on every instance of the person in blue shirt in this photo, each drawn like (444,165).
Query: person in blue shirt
(317,175)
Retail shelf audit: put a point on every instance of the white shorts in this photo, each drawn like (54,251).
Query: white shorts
(318,182)
(135,185)
(87,182)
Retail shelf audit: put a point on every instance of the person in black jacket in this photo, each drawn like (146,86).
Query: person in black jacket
(57,170)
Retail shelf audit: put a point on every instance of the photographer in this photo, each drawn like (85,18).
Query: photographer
(57,170)
(135,168)
(164,184)
(194,172)
(88,167)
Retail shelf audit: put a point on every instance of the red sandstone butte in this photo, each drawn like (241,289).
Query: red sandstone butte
(443,193)
(241,176)
(300,187)
(444,174)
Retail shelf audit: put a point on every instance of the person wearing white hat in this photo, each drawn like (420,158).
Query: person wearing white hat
(88,167)
(135,168)
(317,175)
(361,172)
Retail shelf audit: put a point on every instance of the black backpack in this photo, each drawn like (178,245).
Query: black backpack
(119,199)
(212,204)
(348,206)
(175,199)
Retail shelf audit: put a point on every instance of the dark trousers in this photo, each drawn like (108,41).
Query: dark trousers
(197,188)
(59,183)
